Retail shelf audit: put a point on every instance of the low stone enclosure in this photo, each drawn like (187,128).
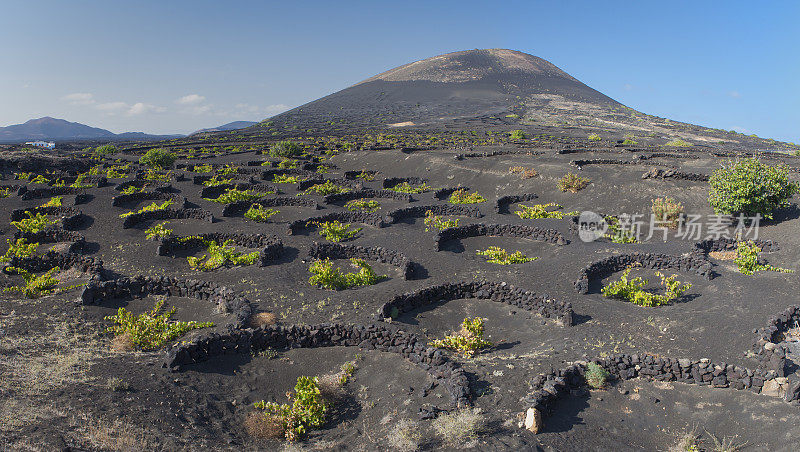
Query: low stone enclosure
(673,155)
(71,217)
(547,389)
(49,192)
(354,175)
(226,300)
(372,337)
(121,200)
(167,214)
(501,206)
(444,193)
(366,193)
(64,261)
(599,269)
(215,191)
(397,215)
(308,183)
(240,207)
(470,155)
(369,218)
(141,183)
(239,178)
(54,235)
(269,246)
(638,159)
(500,292)
(660,173)
(767,346)
(499,230)
(408,268)
(269,174)
(704,247)
(390,182)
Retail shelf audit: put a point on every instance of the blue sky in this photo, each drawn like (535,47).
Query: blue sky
(176,66)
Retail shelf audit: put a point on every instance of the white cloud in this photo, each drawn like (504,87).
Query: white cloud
(79,98)
(734,94)
(140,108)
(627,87)
(191,99)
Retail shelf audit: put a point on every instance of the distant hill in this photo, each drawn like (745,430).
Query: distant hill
(466,84)
(235,125)
(48,128)
(490,90)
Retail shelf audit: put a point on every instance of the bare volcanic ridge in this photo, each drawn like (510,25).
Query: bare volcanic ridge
(465,84)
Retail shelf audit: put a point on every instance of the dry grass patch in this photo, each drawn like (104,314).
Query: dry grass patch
(116,435)
(459,426)
(263,319)
(261,426)
(122,343)
(723,255)
(524,173)
(405,436)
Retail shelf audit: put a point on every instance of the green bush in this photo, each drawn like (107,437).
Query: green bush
(234,195)
(595,137)
(616,234)
(150,330)
(405,187)
(104,150)
(751,187)
(158,158)
(151,208)
(540,211)
(667,210)
(500,256)
(219,255)
(35,286)
(55,201)
(306,409)
(285,148)
(462,196)
(34,223)
(517,135)
(285,179)
(288,164)
(364,175)
(573,183)
(336,231)
(19,248)
(747,260)
(259,213)
(363,204)
(216,181)
(327,188)
(437,222)
(158,231)
(633,290)
(466,341)
(596,376)
(329,277)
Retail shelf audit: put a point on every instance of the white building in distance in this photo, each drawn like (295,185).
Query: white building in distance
(41,144)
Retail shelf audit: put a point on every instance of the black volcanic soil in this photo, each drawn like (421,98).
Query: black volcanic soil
(446,120)
(56,361)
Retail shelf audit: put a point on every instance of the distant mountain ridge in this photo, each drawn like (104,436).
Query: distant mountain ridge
(235,125)
(54,129)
